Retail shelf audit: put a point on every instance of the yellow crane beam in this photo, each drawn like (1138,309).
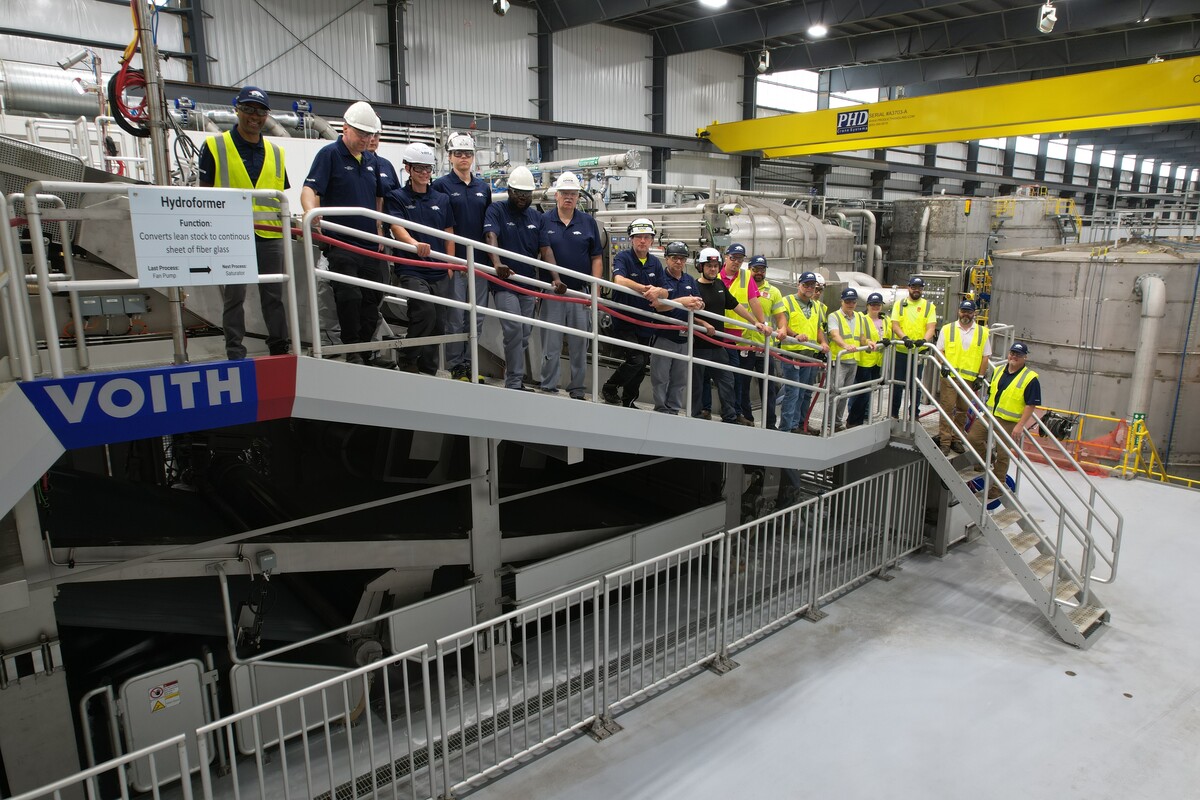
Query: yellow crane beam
(1146,94)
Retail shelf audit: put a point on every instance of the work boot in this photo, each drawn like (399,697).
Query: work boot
(958,447)
(704,415)
(610,395)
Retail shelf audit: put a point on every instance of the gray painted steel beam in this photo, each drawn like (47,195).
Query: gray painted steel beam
(560,15)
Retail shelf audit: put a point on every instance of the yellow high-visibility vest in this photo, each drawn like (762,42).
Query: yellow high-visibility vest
(231,174)
(1012,402)
(867,358)
(852,332)
(964,356)
(913,316)
(798,322)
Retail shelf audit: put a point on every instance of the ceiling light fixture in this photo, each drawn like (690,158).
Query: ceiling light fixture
(714,3)
(1047,16)
(817,30)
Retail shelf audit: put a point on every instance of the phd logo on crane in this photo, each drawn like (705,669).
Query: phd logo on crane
(852,121)
(87,410)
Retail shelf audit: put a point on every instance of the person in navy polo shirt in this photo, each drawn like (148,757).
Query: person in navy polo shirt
(513,225)
(470,197)
(344,173)
(634,269)
(668,376)
(575,240)
(248,148)
(418,202)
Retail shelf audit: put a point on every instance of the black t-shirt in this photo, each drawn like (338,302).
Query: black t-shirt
(716,298)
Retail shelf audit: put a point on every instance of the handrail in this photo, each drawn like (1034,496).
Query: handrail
(1081,531)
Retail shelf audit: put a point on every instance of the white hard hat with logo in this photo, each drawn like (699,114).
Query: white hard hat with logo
(707,253)
(418,153)
(360,115)
(641,225)
(460,141)
(521,178)
(567,182)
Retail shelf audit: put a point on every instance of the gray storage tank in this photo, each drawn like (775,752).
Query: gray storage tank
(1080,309)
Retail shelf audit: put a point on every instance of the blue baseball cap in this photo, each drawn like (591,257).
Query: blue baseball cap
(758,261)
(736,249)
(916,280)
(849,294)
(1019,348)
(966,305)
(253,94)
(808,277)
(873,298)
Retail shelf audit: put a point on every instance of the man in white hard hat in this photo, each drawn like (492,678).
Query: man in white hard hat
(470,197)
(515,226)
(574,238)
(637,269)
(345,173)
(417,202)
(241,159)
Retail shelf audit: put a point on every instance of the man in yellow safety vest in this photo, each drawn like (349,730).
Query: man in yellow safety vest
(241,159)
(847,332)
(1014,393)
(967,347)
(914,320)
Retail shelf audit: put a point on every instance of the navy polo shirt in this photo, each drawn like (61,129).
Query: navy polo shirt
(430,208)
(340,179)
(253,155)
(470,202)
(519,232)
(649,273)
(574,245)
(389,178)
(683,286)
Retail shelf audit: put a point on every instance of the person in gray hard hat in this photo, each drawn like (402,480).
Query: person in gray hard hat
(470,197)
(515,226)
(418,202)
(345,174)
(1014,392)
(241,159)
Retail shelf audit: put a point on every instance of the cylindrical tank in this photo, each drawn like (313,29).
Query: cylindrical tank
(1077,308)
(792,241)
(952,238)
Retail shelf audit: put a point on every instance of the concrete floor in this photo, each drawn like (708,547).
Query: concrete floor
(945,682)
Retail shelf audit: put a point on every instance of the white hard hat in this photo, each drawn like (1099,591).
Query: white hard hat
(707,253)
(521,178)
(418,153)
(460,141)
(641,225)
(820,279)
(360,115)
(567,182)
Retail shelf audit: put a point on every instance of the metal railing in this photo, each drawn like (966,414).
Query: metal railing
(98,781)
(1078,524)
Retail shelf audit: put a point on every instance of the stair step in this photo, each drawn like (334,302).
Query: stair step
(1006,517)
(1023,541)
(1066,590)
(1042,566)
(969,473)
(1085,617)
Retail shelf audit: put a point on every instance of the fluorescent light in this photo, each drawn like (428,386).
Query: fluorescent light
(714,3)
(817,30)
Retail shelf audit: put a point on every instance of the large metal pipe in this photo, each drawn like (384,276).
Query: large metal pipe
(869,245)
(1154,308)
(36,89)
(630,159)
(922,235)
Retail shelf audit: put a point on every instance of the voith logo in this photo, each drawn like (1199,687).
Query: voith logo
(852,121)
(87,410)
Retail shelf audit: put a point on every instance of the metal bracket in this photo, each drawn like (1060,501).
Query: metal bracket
(721,665)
(604,727)
(815,614)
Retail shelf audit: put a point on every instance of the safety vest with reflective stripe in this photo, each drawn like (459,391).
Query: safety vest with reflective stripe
(739,287)
(913,316)
(798,322)
(851,329)
(964,356)
(867,358)
(768,298)
(1012,402)
(231,174)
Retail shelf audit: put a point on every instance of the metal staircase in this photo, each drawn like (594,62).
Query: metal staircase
(1057,560)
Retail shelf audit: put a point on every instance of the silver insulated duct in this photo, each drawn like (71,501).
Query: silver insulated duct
(36,90)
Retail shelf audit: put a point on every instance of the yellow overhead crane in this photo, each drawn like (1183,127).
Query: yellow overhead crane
(1168,91)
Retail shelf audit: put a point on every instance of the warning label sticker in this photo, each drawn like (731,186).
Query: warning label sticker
(164,696)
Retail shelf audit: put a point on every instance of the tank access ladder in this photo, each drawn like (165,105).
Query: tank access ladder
(1056,561)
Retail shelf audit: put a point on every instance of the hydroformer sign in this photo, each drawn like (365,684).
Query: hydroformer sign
(95,409)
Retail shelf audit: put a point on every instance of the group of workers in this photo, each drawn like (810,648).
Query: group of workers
(561,246)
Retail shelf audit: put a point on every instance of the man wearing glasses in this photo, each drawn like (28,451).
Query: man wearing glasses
(470,197)
(241,159)
(346,173)
(744,288)
(417,202)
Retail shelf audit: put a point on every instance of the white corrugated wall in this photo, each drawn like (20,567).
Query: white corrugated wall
(600,77)
(319,48)
(462,56)
(702,87)
(697,169)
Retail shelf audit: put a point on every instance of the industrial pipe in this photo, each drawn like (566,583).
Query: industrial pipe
(322,127)
(869,245)
(37,89)
(922,234)
(630,159)
(1154,307)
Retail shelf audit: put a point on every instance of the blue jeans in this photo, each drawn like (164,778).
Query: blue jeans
(860,404)
(796,400)
(898,373)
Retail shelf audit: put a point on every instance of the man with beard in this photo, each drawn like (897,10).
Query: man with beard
(914,320)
